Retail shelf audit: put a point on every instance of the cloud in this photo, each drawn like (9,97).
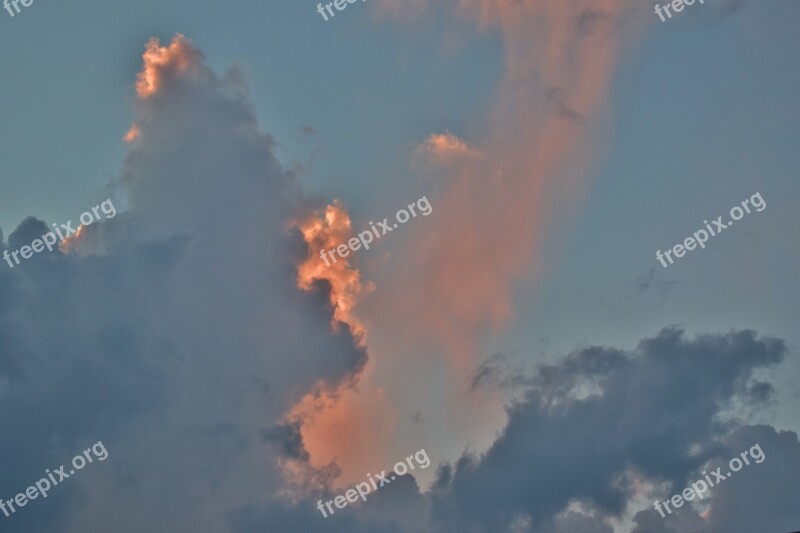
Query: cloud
(454,281)
(344,427)
(396,508)
(132,134)
(445,148)
(760,497)
(178,334)
(451,280)
(347,429)
(198,337)
(324,230)
(601,425)
(288,437)
(162,63)
(599,435)
(80,361)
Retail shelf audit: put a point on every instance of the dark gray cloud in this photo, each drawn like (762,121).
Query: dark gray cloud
(595,417)
(79,359)
(287,437)
(395,508)
(760,497)
(572,522)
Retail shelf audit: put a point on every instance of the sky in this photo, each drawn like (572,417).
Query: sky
(221,347)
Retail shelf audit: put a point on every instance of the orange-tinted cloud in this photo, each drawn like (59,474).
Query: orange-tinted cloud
(461,266)
(447,148)
(347,427)
(453,279)
(350,427)
(161,62)
(132,134)
(326,230)
(72,243)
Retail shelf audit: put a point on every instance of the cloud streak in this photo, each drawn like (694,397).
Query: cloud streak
(492,215)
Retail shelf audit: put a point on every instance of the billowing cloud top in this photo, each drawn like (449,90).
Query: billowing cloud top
(163,62)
